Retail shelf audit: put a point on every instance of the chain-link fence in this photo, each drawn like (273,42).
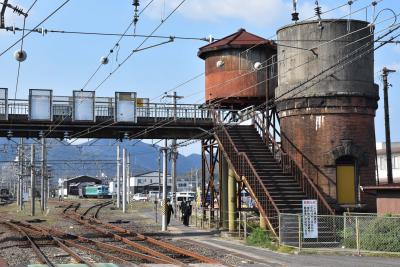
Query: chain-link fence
(349,232)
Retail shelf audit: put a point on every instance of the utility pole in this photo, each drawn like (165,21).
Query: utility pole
(118,180)
(128,177)
(21,174)
(42,178)
(174,155)
(165,186)
(33,181)
(19,177)
(175,98)
(385,73)
(159,174)
(124,180)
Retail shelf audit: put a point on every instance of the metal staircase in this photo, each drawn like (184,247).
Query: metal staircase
(275,181)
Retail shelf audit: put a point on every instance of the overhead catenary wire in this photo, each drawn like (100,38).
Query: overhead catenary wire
(111,34)
(115,45)
(167,121)
(357,57)
(38,25)
(288,58)
(21,48)
(331,40)
(333,9)
(140,45)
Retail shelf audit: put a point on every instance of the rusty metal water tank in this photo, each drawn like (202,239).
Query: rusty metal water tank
(327,108)
(236,72)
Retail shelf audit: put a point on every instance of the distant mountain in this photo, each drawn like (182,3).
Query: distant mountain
(63,157)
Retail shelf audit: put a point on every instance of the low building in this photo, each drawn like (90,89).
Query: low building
(70,186)
(148,181)
(382,168)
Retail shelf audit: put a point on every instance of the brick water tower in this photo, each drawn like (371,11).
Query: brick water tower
(328,126)
(237,70)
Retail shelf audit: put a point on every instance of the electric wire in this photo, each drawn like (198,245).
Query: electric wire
(295,55)
(140,45)
(29,32)
(168,121)
(115,45)
(160,125)
(21,48)
(364,52)
(47,31)
(332,21)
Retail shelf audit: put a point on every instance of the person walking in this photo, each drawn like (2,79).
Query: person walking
(187,213)
(182,208)
(169,211)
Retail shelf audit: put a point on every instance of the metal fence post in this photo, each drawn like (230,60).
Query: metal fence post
(344,227)
(299,219)
(279,229)
(239,224)
(358,235)
(196,214)
(209,219)
(245,225)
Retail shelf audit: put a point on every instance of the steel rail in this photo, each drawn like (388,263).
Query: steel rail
(156,242)
(96,214)
(99,253)
(100,205)
(126,240)
(39,253)
(36,230)
(98,244)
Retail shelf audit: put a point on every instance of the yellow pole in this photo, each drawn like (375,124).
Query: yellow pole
(263,223)
(232,201)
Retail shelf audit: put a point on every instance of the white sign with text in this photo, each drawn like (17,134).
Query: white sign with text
(310,218)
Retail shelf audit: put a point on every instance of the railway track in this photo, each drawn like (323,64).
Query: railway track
(32,235)
(111,243)
(156,249)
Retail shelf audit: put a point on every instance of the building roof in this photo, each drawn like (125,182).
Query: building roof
(394,186)
(395,150)
(381,148)
(239,39)
(147,172)
(84,177)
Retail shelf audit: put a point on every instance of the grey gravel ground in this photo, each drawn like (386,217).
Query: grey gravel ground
(140,218)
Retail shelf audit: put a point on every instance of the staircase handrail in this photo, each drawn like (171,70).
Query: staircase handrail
(259,122)
(220,125)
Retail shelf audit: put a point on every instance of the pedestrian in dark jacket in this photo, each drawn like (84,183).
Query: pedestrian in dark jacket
(182,208)
(187,213)
(169,211)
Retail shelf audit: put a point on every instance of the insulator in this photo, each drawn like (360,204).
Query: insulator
(104,60)
(295,16)
(136,3)
(19,11)
(318,11)
(20,55)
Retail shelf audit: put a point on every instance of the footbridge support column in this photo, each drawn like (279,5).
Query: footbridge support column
(232,201)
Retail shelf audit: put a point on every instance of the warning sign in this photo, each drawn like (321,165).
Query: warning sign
(310,218)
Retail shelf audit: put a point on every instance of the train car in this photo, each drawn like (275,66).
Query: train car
(96,191)
(5,194)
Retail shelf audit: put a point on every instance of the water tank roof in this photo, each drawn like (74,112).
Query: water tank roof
(239,39)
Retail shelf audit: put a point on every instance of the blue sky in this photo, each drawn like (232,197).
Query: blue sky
(64,62)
